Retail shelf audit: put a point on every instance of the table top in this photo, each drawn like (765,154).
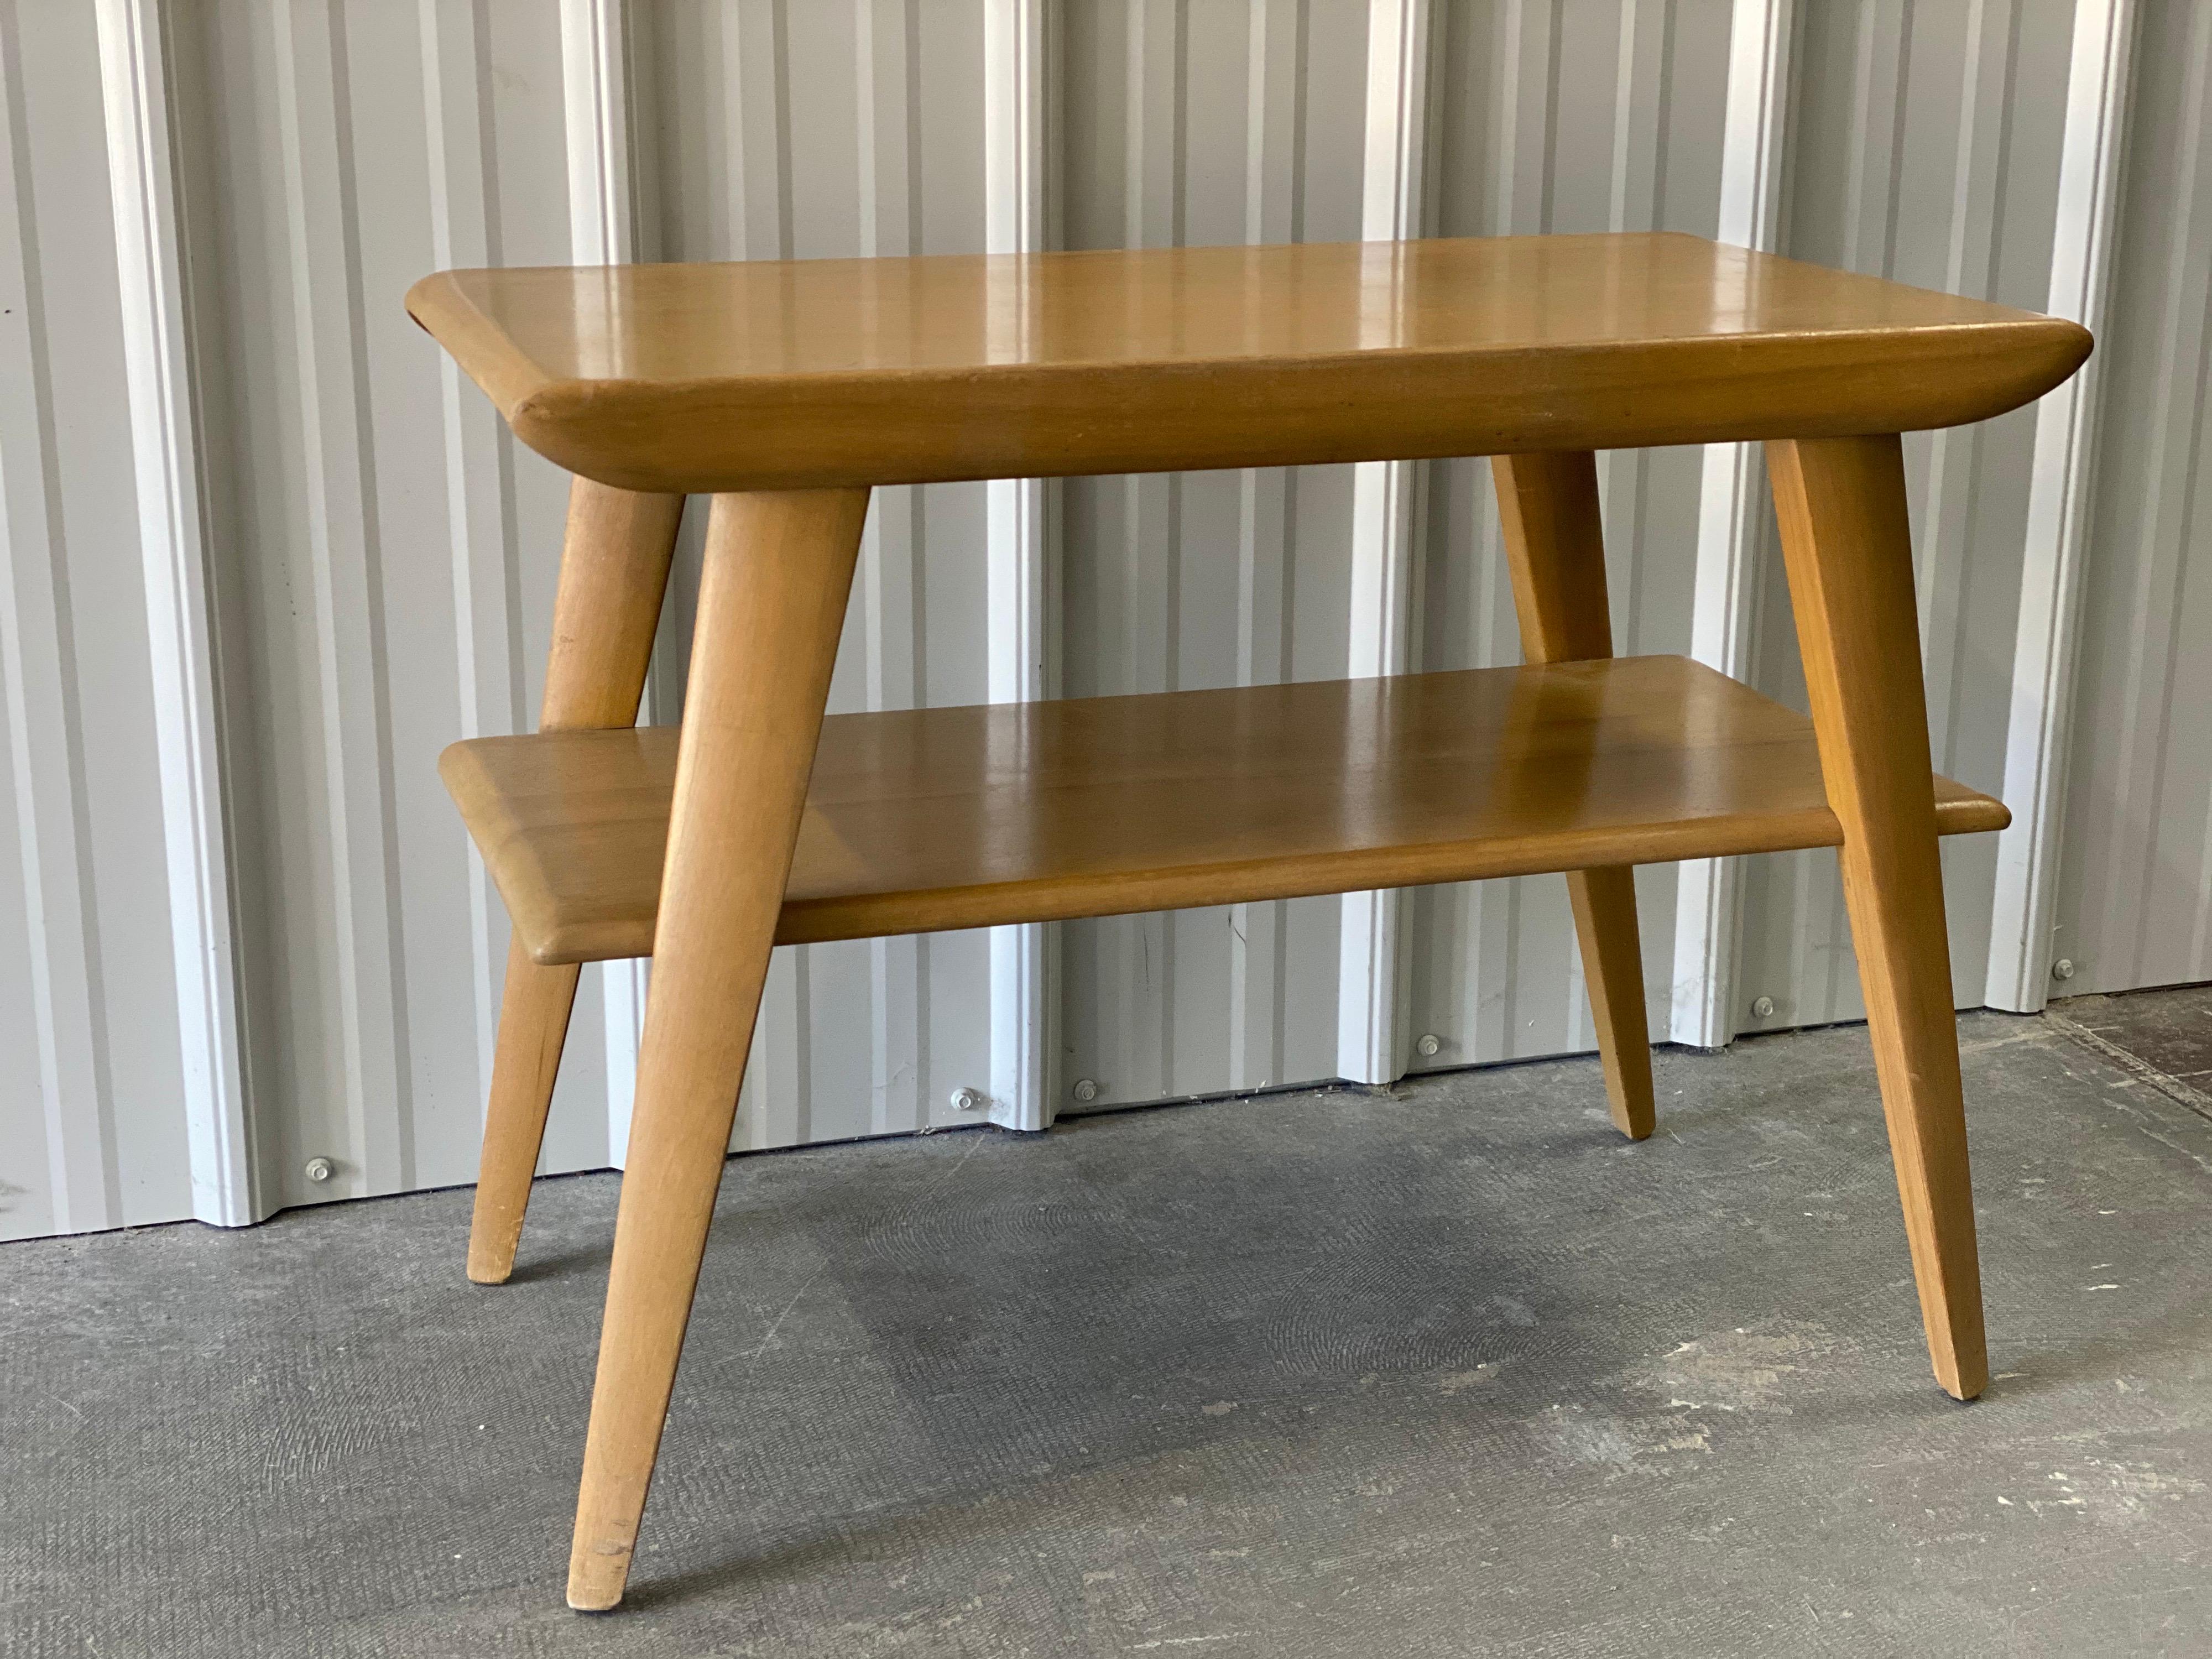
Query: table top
(841,372)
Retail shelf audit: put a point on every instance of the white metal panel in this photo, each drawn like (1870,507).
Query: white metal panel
(1926,144)
(478,458)
(2135,891)
(1021,61)
(2099,82)
(882,151)
(1563,118)
(59,1174)
(92,1129)
(149,200)
(890,160)
(1206,124)
(1734,509)
(1373,951)
(380,944)
(388,604)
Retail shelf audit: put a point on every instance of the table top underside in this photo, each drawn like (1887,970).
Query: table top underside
(702,378)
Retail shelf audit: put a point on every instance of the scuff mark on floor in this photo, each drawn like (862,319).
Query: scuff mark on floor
(1454,1381)
(1744,1370)
(2141,1070)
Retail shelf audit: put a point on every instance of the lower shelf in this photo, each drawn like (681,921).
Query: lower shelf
(968,817)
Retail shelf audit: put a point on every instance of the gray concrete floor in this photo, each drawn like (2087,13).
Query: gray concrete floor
(1454,1371)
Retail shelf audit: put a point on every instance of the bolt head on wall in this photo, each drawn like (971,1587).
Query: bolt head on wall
(1429,1045)
(2062,969)
(1084,1089)
(968,1100)
(1763,1009)
(321,1169)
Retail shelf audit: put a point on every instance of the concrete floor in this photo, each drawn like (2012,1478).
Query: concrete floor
(1456,1372)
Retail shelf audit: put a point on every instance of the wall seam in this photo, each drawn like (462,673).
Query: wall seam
(1021,532)
(372,1073)
(184,649)
(1726,591)
(2101,81)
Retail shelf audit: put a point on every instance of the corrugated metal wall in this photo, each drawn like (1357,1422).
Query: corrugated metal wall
(2134,889)
(1557,118)
(1926,147)
(842,129)
(90,1135)
(240,625)
(1193,123)
(397,568)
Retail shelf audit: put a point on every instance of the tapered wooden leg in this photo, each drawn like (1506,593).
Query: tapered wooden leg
(779,567)
(1555,544)
(533,1024)
(1847,542)
(1604,903)
(614,570)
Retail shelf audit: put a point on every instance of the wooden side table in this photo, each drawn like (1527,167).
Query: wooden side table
(786,390)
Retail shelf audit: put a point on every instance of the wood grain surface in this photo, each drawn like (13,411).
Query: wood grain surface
(965,817)
(1847,541)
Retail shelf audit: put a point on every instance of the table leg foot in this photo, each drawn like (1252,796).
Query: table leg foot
(533,1025)
(1555,548)
(1846,539)
(1613,971)
(614,570)
(778,568)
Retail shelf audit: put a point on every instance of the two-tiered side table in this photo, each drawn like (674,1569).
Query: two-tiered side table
(786,390)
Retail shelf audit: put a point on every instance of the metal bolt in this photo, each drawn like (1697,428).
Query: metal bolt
(1763,1009)
(968,1100)
(2062,969)
(1086,1089)
(1429,1045)
(320,1169)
